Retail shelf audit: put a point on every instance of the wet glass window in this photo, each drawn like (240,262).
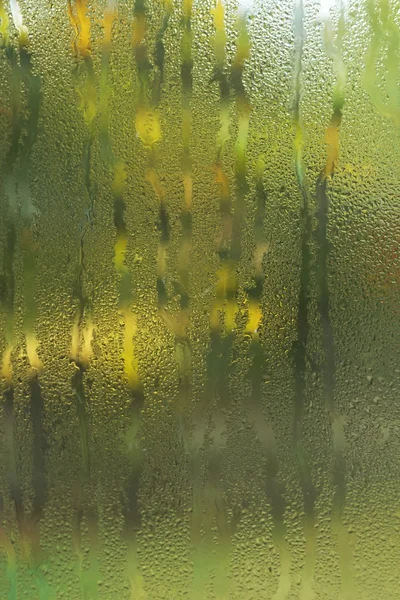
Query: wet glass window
(199,299)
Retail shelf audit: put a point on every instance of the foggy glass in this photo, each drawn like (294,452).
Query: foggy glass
(199,299)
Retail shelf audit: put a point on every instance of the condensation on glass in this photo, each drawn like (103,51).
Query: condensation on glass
(199,299)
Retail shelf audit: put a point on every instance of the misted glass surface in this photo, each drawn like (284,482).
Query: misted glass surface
(200,299)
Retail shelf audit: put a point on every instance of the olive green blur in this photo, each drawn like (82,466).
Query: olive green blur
(199,300)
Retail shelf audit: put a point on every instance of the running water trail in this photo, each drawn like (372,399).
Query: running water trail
(334,49)
(299,349)
(81,350)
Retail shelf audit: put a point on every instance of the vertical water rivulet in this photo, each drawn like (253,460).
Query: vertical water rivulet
(300,356)
(183,352)
(334,50)
(129,356)
(209,507)
(81,351)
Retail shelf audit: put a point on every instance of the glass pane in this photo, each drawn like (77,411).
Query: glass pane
(199,299)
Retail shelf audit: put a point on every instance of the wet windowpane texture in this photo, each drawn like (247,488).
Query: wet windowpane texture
(199,299)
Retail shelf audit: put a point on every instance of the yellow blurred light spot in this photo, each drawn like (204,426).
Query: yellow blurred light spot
(148,126)
(4,24)
(87,349)
(243,45)
(128,354)
(81,24)
(84,27)
(254,319)
(161,260)
(222,275)
(17,18)
(218,13)
(220,37)
(119,179)
(31,350)
(226,281)
(119,253)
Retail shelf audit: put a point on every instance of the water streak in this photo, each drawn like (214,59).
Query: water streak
(148,126)
(83,326)
(183,351)
(299,349)
(117,168)
(335,51)
(209,504)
